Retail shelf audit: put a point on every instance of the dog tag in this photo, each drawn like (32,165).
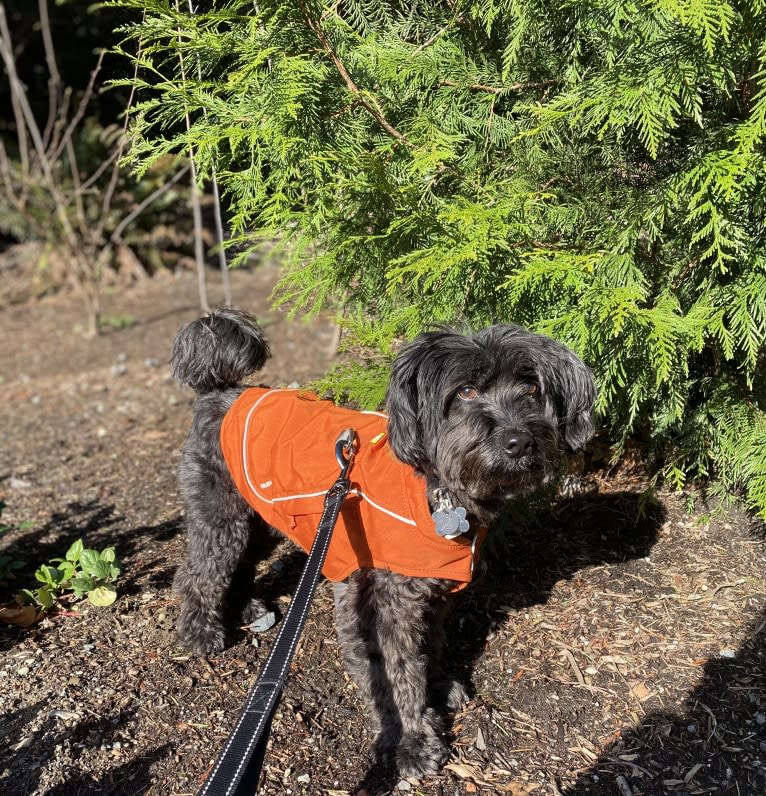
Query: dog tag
(450,522)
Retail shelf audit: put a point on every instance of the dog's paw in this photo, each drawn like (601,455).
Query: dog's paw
(203,641)
(447,694)
(419,754)
(254,610)
(453,694)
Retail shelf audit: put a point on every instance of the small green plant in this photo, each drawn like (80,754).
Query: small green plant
(117,321)
(84,572)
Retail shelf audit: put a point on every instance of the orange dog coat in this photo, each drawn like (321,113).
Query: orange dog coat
(279,446)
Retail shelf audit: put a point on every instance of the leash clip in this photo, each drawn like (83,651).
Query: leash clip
(345,450)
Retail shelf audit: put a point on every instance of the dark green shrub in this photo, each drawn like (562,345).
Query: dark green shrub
(592,170)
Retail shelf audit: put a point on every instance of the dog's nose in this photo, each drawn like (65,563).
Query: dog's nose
(518,444)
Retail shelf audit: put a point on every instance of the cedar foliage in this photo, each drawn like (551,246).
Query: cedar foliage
(592,170)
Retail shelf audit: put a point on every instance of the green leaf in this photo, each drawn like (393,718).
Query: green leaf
(102,596)
(81,585)
(49,575)
(67,569)
(29,596)
(89,560)
(75,551)
(101,570)
(45,597)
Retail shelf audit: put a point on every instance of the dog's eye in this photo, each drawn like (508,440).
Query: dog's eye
(468,393)
(531,388)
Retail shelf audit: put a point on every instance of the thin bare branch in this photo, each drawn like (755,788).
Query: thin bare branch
(199,252)
(222,264)
(54,78)
(77,190)
(439,33)
(60,122)
(369,103)
(17,89)
(116,236)
(102,167)
(81,108)
(106,201)
(50,52)
(18,115)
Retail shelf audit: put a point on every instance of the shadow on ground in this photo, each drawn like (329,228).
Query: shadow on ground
(83,734)
(531,548)
(530,553)
(713,745)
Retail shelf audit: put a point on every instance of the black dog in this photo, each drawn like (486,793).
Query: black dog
(472,421)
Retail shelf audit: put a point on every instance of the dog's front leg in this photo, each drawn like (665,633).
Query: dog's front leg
(383,621)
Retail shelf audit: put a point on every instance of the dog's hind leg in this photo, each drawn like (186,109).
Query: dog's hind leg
(383,623)
(220,527)
(203,581)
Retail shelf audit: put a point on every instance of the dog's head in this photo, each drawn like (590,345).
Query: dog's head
(487,416)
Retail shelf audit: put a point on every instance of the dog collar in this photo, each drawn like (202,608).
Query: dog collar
(449,520)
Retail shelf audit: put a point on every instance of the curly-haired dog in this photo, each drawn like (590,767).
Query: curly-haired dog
(472,421)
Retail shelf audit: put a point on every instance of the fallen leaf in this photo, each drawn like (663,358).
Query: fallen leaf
(20,615)
(640,692)
(586,753)
(102,596)
(463,771)
(692,772)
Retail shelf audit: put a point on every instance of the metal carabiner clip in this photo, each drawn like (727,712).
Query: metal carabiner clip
(345,450)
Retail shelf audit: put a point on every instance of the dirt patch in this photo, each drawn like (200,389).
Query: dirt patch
(614,647)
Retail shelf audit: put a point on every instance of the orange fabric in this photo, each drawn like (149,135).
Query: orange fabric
(279,446)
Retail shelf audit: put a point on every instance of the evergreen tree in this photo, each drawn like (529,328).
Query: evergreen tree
(592,170)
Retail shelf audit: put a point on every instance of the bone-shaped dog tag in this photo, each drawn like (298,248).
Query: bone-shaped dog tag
(450,522)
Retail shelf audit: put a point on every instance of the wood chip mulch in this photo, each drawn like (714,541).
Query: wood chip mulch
(617,645)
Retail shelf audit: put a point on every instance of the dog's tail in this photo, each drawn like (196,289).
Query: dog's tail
(219,350)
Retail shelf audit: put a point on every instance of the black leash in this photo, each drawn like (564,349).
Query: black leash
(238,768)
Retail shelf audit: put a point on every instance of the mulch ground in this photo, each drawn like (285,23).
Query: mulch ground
(616,645)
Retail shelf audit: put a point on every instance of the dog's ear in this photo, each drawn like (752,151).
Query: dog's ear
(421,376)
(403,404)
(568,382)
